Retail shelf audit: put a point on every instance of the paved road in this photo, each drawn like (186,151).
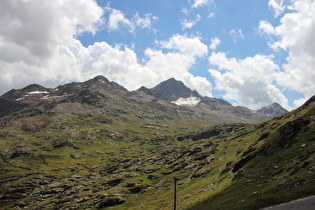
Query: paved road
(300,204)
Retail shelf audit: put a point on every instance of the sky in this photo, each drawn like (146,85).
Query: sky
(250,53)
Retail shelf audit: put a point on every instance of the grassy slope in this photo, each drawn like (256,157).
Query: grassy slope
(92,159)
(280,165)
(55,148)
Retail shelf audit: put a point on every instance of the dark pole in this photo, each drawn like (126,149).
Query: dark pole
(175,180)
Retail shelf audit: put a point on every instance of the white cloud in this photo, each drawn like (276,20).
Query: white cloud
(145,22)
(215,42)
(189,24)
(191,47)
(277,6)
(236,34)
(117,20)
(32,31)
(299,102)
(117,63)
(266,28)
(296,36)
(36,26)
(201,3)
(250,81)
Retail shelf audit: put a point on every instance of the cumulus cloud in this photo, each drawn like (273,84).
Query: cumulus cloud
(215,42)
(189,24)
(295,35)
(189,46)
(37,26)
(249,81)
(116,18)
(31,33)
(266,28)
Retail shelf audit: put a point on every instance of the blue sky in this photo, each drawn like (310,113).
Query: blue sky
(250,53)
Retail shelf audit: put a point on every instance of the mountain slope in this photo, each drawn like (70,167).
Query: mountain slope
(173,90)
(97,93)
(57,143)
(94,145)
(277,167)
(273,110)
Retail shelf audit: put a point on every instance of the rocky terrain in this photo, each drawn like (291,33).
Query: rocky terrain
(273,110)
(176,92)
(96,145)
(172,90)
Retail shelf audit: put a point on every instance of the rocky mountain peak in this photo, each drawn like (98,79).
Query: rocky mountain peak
(273,110)
(34,87)
(172,90)
(35,92)
(150,92)
(98,80)
(29,92)
(102,82)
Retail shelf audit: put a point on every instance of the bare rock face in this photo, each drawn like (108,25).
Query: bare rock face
(172,90)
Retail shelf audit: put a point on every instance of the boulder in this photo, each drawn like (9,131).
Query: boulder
(107,202)
(137,188)
(114,182)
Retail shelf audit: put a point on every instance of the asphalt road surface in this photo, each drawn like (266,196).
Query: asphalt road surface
(300,204)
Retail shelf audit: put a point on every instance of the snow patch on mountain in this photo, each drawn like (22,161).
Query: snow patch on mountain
(33,93)
(190,101)
(37,92)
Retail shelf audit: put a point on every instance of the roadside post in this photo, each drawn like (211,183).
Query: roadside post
(175,199)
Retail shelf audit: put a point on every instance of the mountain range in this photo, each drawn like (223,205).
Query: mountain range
(176,92)
(95,145)
(170,90)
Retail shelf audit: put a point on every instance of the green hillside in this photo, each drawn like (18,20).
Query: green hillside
(278,166)
(99,149)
